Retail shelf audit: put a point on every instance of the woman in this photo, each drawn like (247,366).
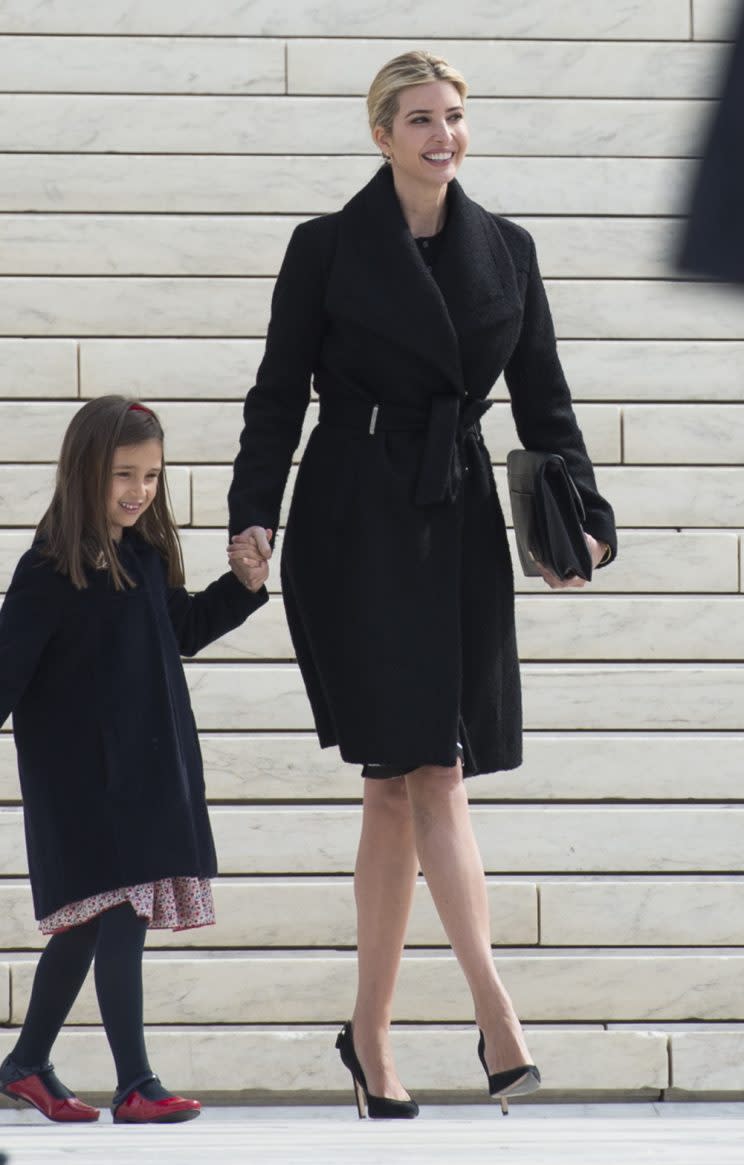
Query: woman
(405,307)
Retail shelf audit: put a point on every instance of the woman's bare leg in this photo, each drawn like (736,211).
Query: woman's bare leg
(453,868)
(384,881)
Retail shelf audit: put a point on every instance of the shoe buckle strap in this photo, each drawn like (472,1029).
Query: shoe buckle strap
(122,1094)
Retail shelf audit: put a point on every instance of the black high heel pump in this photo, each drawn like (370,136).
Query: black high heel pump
(377,1107)
(514,1082)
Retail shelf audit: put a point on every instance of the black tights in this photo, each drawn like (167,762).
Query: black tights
(116,938)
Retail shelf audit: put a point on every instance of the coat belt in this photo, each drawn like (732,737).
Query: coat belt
(453,443)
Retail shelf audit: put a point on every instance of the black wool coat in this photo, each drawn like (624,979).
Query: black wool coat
(713,242)
(396,574)
(108,755)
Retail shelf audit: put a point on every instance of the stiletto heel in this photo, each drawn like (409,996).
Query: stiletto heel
(376,1107)
(513,1082)
(361,1102)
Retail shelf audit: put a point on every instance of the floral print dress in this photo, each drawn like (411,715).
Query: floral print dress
(175,903)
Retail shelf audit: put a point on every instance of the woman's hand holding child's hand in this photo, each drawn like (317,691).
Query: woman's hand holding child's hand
(249,554)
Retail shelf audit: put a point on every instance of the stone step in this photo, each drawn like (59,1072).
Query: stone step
(244,65)
(666,20)
(583,627)
(294,912)
(106,123)
(698,562)
(208,432)
(251,245)
(514,68)
(612,309)
(592,910)
(26,491)
(292,185)
(715,19)
(693,434)
(653,496)
(659,839)
(302,1062)
(611,370)
(558,766)
(118,64)
(641,496)
(691,697)
(577,986)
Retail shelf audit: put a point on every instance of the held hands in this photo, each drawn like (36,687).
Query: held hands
(249,554)
(597,551)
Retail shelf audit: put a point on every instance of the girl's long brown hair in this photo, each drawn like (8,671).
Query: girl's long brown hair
(75,531)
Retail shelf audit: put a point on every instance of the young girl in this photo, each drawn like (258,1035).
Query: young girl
(118,838)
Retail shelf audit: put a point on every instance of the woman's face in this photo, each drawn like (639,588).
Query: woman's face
(429,138)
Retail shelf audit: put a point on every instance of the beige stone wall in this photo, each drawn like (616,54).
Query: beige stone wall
(156,155)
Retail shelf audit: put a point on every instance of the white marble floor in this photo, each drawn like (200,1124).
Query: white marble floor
(629,1134)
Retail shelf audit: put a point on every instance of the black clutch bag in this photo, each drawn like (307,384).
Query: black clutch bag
(548,515)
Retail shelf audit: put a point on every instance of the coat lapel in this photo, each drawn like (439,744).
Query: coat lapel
(475,272)
(378,278)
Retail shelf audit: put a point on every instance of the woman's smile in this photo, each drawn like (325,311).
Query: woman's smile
(439,158)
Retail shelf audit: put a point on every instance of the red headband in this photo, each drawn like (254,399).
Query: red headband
(140,409)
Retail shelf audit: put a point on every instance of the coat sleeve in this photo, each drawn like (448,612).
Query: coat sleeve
(275,407)
(29,617)
(541,404)
(201,618)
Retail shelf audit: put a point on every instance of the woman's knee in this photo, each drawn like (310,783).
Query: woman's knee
(432,790)
(388,796)
(434,780)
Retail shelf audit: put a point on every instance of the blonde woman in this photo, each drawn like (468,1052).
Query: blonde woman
(404,308)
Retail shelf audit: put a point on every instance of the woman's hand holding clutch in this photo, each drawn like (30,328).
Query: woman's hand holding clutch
(598,550)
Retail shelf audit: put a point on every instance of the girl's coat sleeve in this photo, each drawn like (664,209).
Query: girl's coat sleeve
(29,617)
(201,618)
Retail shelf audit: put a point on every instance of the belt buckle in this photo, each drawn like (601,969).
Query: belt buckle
(373,420)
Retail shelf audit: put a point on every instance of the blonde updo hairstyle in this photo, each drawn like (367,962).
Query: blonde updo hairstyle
(414,68)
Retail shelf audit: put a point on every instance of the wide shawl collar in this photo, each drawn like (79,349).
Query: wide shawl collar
(378,278)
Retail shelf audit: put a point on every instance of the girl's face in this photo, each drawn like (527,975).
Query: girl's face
(135,473)
(429,138)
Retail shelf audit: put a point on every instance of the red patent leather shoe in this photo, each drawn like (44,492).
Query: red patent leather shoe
(32,1086)
(129,1106)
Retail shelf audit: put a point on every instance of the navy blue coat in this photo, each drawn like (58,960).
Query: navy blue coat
(395,569)
(108,754)
(713,243)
